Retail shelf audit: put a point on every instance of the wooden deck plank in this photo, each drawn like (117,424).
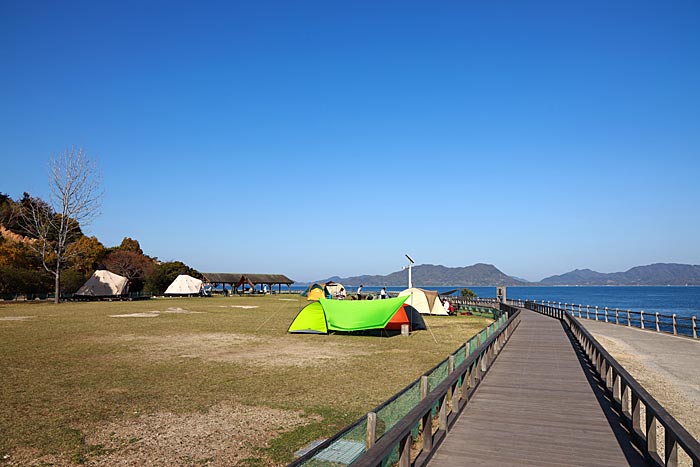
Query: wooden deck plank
(538,405)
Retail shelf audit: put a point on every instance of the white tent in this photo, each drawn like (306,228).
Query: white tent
(185,285)
(335,288)
(427,302)
(104,284)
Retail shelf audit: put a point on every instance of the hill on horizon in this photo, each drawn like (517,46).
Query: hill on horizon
(431,275)
(652,274)
(486,275)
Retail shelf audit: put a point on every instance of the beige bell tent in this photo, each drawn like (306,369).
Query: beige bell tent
(335,289)
(185,285)
(427,302)
(103,283)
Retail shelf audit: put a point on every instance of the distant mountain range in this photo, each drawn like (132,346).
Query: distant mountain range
(480,274)
(430,275)
(653,274)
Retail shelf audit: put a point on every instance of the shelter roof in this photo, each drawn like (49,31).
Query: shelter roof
(235,278)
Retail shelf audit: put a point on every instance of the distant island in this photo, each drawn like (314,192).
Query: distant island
(482,275)
(652,274)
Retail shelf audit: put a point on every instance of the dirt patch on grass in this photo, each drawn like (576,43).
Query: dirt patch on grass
(147,314)
(181,311)
(241,348)
(156,313)
(223,436)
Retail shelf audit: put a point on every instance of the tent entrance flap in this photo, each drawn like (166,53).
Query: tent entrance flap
(310,320)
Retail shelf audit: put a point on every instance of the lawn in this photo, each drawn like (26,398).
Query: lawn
(192,381)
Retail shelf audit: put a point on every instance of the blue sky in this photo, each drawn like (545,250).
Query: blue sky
(330,138)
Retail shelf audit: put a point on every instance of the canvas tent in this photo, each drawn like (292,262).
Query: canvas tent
(326,315)
(185,285)
(103,283)
(427,302)
(334,289)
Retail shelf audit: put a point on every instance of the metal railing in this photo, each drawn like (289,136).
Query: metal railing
(368,437)
(659,322)
(628,396)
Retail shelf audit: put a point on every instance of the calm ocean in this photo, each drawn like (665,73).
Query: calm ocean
(684,301)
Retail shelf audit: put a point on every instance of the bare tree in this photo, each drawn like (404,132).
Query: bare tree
(74,201)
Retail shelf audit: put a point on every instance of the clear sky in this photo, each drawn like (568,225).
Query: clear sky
(330,138)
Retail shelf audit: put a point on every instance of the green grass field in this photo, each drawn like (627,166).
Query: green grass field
(201,381)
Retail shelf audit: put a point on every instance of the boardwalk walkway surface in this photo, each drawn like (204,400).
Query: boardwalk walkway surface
(538,405)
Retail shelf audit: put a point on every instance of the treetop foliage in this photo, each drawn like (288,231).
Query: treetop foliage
(21,271)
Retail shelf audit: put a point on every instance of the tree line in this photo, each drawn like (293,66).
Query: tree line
(22,272)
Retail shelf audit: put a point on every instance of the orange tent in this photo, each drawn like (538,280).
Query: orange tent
(397,320)
(406,315)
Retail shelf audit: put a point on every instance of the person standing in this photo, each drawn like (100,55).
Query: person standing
(382,293)
(359,292)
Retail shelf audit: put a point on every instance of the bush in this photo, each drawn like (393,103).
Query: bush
(24,281)
(71,281)
(468,293)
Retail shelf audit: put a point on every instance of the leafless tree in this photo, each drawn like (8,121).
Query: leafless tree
(74,201)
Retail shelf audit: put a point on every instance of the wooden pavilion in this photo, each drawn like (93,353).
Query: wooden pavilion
(236,280)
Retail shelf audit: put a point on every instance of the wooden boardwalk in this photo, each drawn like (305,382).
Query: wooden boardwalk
(539,404)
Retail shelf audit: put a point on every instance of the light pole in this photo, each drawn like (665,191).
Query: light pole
(410,283)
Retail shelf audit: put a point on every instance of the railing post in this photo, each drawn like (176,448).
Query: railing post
(579,310)
(636,413)
(450,370)
(427,418)
(656,320)
(617,317)
(641,318)
(596,312)
(424,387)
(371,436)
(405,451)
(629,322)
(442,420)
(695,332)
(670,449)
(588,312)
(651,433)
(606,314)
(625,402)
(617,393)
(674,325)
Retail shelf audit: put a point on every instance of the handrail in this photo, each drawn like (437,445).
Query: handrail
(627,396)
(451,396)
(653,321)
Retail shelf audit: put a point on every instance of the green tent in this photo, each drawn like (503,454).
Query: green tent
(345,315)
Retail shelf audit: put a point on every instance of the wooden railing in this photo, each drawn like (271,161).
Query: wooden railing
(451,396)
(628,397)
(659,322)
